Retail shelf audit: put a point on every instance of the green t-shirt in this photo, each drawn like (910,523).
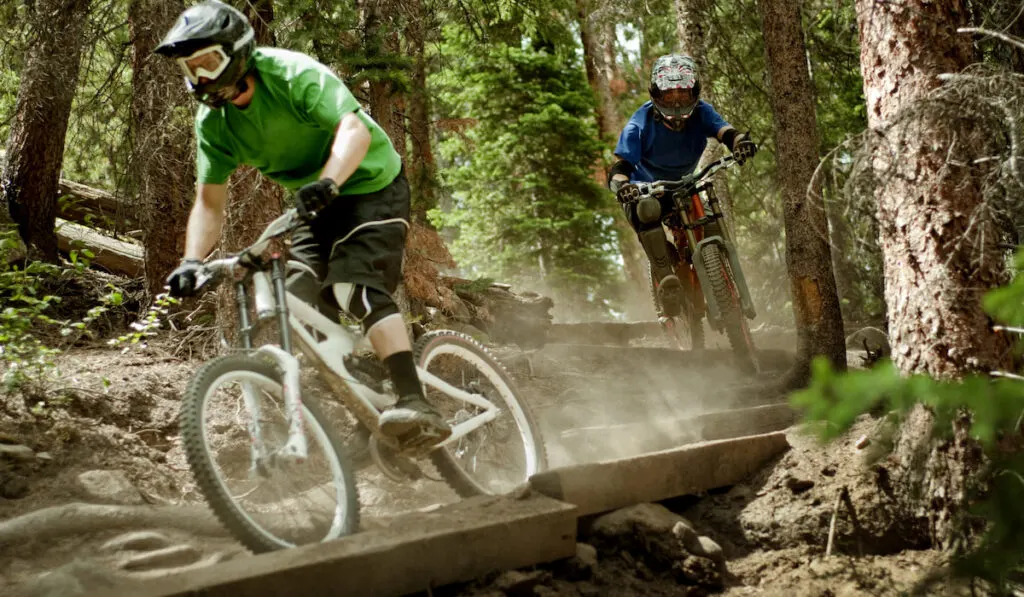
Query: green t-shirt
(287,131)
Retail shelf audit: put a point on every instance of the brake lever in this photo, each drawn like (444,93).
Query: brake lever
(203,277)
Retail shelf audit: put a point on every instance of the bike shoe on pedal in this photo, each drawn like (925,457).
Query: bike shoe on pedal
(670,293)
(413,420)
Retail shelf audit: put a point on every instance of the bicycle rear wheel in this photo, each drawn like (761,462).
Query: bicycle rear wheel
(266,499)
(498,456)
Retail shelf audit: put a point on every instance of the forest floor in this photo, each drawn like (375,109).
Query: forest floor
(105,430)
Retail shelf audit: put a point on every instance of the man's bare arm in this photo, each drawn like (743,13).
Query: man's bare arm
(205,220)
(351,142)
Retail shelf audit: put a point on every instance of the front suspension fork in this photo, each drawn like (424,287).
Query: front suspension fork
(724,242)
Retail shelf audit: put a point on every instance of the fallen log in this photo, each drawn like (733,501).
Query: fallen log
(95,208)
(114,255)
(506,317)
(603,486)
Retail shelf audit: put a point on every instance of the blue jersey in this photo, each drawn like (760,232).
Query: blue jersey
(659,153)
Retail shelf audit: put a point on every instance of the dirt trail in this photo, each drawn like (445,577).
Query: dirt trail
(118,412)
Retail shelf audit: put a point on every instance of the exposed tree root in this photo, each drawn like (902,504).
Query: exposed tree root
(79,518)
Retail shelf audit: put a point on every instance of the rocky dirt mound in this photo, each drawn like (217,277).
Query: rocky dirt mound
(792,503)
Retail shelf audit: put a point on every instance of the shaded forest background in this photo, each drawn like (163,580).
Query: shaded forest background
(901,118)
(506,114)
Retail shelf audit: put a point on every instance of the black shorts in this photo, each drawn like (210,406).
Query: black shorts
(358,239)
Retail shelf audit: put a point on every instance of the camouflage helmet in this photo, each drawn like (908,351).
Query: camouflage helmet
(219,39)
(672,72)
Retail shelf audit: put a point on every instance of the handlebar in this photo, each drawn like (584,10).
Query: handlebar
(686,185)
(212,272)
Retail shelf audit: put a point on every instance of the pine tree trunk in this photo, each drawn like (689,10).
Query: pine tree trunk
(937,265)
(933,232)
(162,158)
(595,58)
(422,166)
(253,199)
(35,146)
(608,122)
(691,27)
(819,322)
(381,45)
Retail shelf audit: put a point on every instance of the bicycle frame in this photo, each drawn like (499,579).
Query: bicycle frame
(696,205)
(305,322)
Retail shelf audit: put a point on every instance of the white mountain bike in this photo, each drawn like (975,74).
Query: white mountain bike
(271,466)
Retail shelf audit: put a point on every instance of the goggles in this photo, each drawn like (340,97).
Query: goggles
(676,102)
(208,62)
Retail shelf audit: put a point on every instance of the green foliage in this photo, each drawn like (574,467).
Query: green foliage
(22,354)
(996,408)
(148,325)
(526,205)
(27,349)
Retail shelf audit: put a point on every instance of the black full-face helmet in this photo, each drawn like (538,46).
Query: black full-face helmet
(213,43)
(675,89)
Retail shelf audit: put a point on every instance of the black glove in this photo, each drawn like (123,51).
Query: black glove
(182,281)
(625,192)
(743,148)
(314,197)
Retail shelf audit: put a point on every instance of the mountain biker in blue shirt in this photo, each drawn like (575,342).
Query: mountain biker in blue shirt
(664,140)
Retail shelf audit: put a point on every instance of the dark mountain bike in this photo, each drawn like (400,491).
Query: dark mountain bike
(704,255)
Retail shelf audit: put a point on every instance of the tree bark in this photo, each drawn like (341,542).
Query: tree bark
(162,153)
(254,200)
(116,256)
(608,121)
(691,28)
(35,146)
(819,321)
(380,45)
(932,221)
(933,230)
(422,166)
(595,60)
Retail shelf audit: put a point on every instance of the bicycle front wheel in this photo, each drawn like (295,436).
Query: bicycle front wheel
(501,454)
(234,428)
(727,296)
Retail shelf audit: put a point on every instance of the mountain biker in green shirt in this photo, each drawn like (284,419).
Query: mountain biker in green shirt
(294,120)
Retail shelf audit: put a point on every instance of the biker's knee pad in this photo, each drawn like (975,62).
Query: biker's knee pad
(303,283)
(367,305)
(648,211)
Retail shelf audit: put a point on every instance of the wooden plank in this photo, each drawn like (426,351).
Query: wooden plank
(769,359)
(111,254)
(458,543)
(604,486)
(584,444)
(603,332)
(94,207)
(746,421)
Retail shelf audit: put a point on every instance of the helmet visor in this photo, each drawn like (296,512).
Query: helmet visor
(208,63)
(675,103)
